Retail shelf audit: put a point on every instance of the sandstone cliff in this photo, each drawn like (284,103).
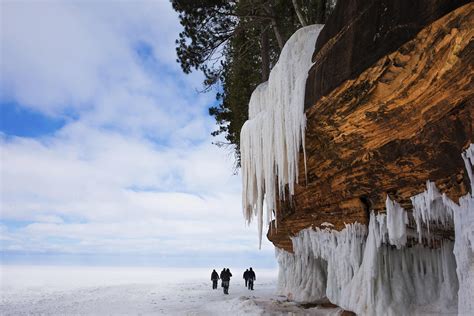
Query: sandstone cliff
(389,105)
(367,181)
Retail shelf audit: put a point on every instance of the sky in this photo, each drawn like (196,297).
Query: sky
(105,146)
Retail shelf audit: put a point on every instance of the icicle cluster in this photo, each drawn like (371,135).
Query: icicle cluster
(360,271)
(271,138)
(363,274)
(429,207)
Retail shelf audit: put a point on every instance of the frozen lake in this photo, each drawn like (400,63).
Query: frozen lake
(123,290)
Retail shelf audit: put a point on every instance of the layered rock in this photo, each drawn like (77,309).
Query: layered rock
(382,219)
(390,127)
(359,33)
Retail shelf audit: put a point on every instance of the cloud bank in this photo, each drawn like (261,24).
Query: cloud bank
(132,170)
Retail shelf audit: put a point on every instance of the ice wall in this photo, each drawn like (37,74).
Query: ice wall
(296,283)
(271,139)
(374,272)
(364,275)
(464,240)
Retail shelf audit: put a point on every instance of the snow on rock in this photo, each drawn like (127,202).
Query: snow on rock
(327,224)
(271,138)
(359,270)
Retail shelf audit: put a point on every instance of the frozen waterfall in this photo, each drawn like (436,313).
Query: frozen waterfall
(271,139)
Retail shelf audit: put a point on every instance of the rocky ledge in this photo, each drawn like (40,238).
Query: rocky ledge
(389,105)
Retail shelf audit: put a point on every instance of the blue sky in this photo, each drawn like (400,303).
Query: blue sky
(106,154)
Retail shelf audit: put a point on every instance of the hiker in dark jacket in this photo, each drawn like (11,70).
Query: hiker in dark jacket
(225,277)
(246,277)
(214,279)
(221,274)
(251,277)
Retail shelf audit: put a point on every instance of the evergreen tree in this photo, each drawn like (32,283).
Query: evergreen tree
(235,44)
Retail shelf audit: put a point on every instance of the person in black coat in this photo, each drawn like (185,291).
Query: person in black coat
(246,277)
(214,279)
(225,277)
(251,278)
(221,274)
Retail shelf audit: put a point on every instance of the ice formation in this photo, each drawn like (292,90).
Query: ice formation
(397,219)
(271,138)
(364,275)
(429,208)
(360,270)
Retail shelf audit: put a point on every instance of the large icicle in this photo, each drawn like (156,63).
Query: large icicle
(397,219)
(468,157)
(271,138)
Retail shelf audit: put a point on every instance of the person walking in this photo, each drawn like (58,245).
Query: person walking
(251,278)
(246,277)
(221,274)
(214,279)
(225,276)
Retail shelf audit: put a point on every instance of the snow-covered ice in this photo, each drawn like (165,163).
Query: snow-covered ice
(63,290)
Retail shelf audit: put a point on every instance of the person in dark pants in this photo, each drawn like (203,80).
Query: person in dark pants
(252,277)
(246,277)
(214,279)
(225,276)
(222,273)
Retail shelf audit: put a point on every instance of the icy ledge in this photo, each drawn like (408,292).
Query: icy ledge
(372,272)
(271,138)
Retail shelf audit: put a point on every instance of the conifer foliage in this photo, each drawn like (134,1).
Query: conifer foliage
(235,44)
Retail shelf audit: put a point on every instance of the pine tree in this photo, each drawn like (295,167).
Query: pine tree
(235,44)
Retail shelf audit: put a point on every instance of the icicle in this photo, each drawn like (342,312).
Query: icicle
(273,135)
(397,219)
(362,274)
(430,208)
(468,157)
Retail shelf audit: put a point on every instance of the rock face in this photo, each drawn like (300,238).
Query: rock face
(390,105)
(359,33)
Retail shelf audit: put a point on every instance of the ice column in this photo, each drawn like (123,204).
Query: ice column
(271,139)
(397,219)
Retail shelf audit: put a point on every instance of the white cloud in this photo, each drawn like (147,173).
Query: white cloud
(134,171)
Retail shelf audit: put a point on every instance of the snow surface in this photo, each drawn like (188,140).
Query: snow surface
(271,139)
(130,291)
